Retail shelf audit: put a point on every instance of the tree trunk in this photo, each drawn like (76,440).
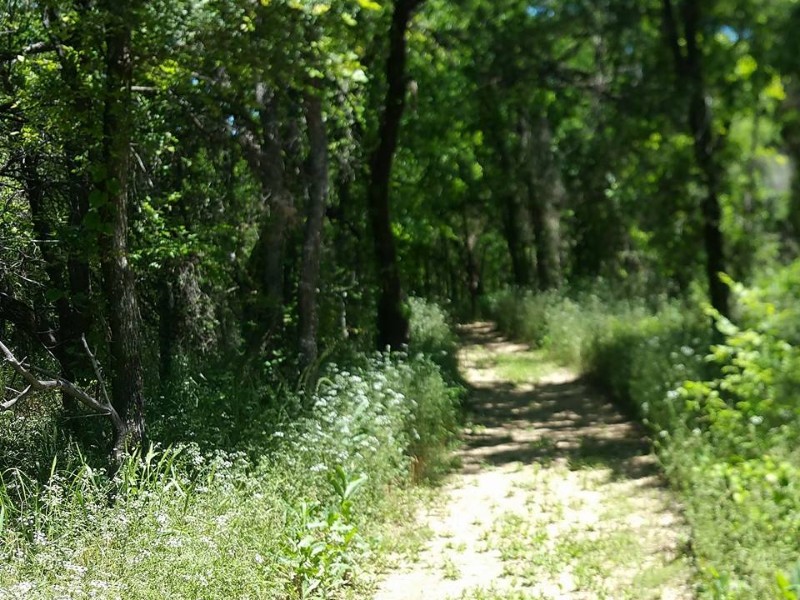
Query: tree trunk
(790,132)
(544,188)
(472,264)
(392,320)
(691,82)
(548,201)
(514,234)
(118,280)
(317,198)
(263,311)
(72,295)
(166,328)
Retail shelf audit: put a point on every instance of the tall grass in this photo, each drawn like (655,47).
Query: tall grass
(294,512)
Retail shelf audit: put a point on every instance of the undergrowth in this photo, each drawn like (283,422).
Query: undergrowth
(723,413)
(284,496)
(431,334)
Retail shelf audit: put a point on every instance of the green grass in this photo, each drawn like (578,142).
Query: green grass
(526,366)
(312,501)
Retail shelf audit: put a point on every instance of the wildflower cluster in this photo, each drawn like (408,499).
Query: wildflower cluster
(282,518)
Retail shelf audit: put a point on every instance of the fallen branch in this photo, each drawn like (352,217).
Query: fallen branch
(97,371)
(9,404)
(56,382)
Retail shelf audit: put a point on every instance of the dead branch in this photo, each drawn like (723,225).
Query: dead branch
(97,371)
(8,404)
(29,50)
(56,382)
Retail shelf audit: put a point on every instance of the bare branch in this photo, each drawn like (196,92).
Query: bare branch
(7,405)
(57,383)
(97,371)
(31,49)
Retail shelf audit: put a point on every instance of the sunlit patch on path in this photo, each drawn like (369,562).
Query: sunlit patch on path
(558,495)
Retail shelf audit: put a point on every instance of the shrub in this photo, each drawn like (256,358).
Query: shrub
(430,334)
(744,422)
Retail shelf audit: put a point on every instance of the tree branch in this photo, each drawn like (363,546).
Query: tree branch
(97,371)
(29,50)
(9,404)
(55,382)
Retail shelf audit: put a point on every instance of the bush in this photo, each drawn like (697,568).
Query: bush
(742,424)
(431,334)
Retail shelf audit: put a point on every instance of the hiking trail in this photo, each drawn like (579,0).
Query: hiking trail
(558,495)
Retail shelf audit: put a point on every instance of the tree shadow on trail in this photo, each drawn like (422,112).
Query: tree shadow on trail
(561,420)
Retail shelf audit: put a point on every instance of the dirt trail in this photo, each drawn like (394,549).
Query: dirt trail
(558,497)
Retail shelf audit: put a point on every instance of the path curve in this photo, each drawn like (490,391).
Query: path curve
(558,497)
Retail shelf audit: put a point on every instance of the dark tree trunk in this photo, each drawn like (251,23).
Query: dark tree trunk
(54,267)
(127,391)
(514,236)
(70,280)
(691,82)
(77,321)
(167,330)
(472,264)
(514,215)
(312,244)
(790,132)
(392,320)
(26,320)
(263,306)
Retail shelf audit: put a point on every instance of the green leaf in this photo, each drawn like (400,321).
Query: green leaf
(775,90)
(746,66)
(369,5)
(92,221)
(353,487)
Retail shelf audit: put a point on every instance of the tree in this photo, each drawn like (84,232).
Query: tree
(690,77)
(113,191)
(318,195)
(392,321)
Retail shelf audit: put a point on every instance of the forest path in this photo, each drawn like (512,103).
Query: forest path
(558,496)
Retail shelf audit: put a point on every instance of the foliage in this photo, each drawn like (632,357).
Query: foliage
(741,425)
(431,334)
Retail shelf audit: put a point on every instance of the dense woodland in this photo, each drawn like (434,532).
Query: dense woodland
(214,212)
